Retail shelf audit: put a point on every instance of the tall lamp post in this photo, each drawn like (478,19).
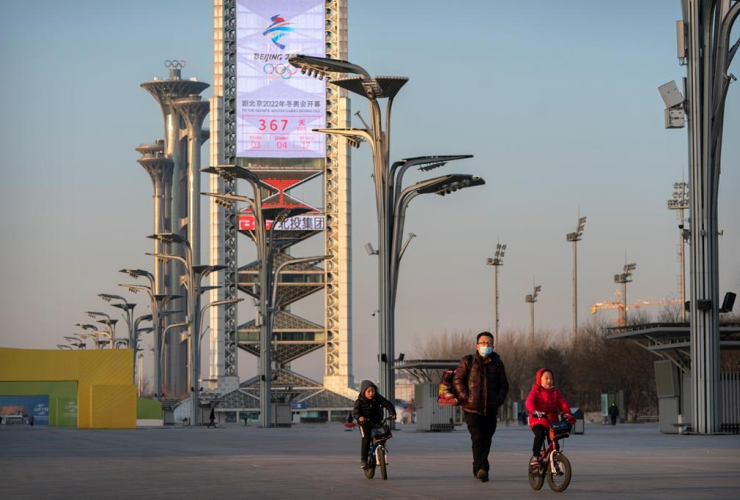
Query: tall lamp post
(193,276)
(624,278)
(157,303)
(107,334)
(704,44)
(265,243)
(680,202)
(496,262)
(76,342)
(94,336)
(388,189)
(90,336)
(110,323)
(157,307)
(127,307)
(575,237)
(532,299)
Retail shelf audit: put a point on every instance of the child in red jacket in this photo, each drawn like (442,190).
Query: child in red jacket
(543,404)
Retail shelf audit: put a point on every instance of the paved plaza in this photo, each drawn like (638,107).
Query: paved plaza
(321,461)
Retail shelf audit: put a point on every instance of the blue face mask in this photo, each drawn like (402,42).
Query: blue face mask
(485,350)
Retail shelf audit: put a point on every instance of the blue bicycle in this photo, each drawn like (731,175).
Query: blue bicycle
(378,454)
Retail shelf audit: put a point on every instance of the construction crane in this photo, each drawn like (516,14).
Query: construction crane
(618,304)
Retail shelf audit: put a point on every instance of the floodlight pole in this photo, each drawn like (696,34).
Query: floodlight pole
(624,278)
(680,202)
(497,261)
(575,237)
(532,299)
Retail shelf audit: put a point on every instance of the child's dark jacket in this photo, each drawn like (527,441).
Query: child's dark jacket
(371,409)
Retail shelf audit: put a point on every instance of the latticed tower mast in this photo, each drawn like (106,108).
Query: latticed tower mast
(337,337)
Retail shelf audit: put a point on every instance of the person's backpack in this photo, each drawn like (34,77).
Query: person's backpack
(447,395)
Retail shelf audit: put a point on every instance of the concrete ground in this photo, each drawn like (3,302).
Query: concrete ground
(322,461)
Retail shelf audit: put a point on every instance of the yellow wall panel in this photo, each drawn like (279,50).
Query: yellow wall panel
(112,406)
(109,369)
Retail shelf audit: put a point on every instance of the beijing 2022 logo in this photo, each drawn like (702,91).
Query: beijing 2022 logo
(278,29)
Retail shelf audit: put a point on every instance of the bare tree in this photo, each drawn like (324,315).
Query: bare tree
(447,345)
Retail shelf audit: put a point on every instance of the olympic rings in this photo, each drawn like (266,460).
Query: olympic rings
(175,64)
(285,71)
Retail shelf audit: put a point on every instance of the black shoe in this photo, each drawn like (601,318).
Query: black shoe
(482,475)
(363,464)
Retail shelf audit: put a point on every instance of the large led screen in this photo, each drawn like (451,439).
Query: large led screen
(277,106)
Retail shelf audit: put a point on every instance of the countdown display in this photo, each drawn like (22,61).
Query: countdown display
(277,106)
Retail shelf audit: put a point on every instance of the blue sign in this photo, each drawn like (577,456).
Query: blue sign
(28,406)
(297,405)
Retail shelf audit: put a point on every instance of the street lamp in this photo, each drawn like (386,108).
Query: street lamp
(127,307)
(105,333)
(575,237)
(497,261)
(680,202)
(387,179)
(193,276)
(135,333)
(442,186)
(531,299)
(157,306)
(704,43)
(184,324)
(90,336)
(138,273)
(265,243)
(624,278)
(215,303)
(110,323)
(76,342)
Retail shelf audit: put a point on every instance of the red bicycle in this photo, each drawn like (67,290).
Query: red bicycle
(553,464)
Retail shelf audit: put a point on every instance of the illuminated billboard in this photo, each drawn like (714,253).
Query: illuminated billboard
(276,106)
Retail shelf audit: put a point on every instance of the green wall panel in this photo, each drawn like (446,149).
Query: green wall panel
(62,398)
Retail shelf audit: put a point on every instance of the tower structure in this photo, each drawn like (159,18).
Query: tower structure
(174,96)
(159,168)
(293,336)
(193,111)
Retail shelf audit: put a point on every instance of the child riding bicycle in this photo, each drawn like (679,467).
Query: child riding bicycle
(369,412)
(543,404)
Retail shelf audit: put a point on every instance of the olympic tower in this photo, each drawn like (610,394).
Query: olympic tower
(262,115)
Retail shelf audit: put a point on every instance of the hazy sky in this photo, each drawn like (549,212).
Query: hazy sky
(558,102)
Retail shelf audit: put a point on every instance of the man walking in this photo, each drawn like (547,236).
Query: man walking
(481,386)
(613,413)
